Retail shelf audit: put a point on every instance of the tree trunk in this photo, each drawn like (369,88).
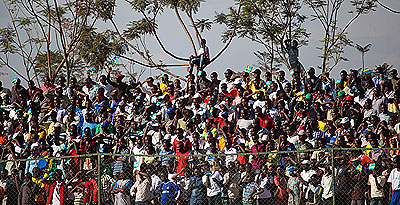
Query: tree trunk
(185,29)
(362,57)
(48,42)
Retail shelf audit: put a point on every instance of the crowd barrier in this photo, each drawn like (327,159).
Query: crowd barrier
(286,177)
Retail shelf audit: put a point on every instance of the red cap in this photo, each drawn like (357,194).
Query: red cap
(349,98)
(119,75)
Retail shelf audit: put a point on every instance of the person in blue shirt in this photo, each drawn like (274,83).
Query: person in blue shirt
(170,192)
(197,187)
(89,123)
(166,151)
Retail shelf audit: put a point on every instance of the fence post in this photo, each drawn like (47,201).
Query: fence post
(99,179)
(333,175)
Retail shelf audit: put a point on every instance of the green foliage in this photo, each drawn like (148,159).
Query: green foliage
(104,9)
(98,49)
(269,23)
(139,28)
(203,24)
(41,63)
(7,44)
(335,37)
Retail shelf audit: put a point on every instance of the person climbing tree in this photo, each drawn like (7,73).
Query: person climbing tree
(202,59)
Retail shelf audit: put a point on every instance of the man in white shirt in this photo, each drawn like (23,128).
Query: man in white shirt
(229,150)
(326,183)
(394,179)
(305,177)
(213,181)
(229,81)
(376,181)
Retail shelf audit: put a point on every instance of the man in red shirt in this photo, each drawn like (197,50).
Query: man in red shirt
(181,138)
(182,161)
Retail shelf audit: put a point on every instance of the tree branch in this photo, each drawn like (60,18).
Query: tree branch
(159,40)
(230,38)
(185,29)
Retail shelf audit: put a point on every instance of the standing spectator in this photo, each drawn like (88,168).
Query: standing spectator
(121,161)
(142,187)
(265,181)
(376,182)
(118,84)
(170,192)
(394,179)
(27,192)
(231,183)
(326,183)
(13,187)
(281,195)
(294,187)
(197,188)
(250,188)
(213,181)
(121,189)
(56,189)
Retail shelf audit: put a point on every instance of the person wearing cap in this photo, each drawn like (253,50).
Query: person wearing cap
(313,80)
(118,84)
(170,118)
(303,145)
(238,88)
(105,127)
(256,84)
(349,108)
(340,96)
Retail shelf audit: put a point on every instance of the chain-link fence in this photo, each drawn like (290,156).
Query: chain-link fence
(326,176)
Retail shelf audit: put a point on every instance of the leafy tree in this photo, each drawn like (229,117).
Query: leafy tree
(45,36)
(335,36)
(269,23)
(136,32)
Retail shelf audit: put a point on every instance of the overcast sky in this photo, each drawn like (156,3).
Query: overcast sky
(380,28)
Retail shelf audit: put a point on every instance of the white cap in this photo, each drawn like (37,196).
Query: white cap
(305,162)
(345,120)
(238,81)
(197,95)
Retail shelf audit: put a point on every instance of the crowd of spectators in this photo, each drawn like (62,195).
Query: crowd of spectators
(245,112)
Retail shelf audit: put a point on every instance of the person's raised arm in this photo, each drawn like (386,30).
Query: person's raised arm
(109,81)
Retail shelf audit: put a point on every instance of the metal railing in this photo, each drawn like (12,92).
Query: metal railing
(283,174)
